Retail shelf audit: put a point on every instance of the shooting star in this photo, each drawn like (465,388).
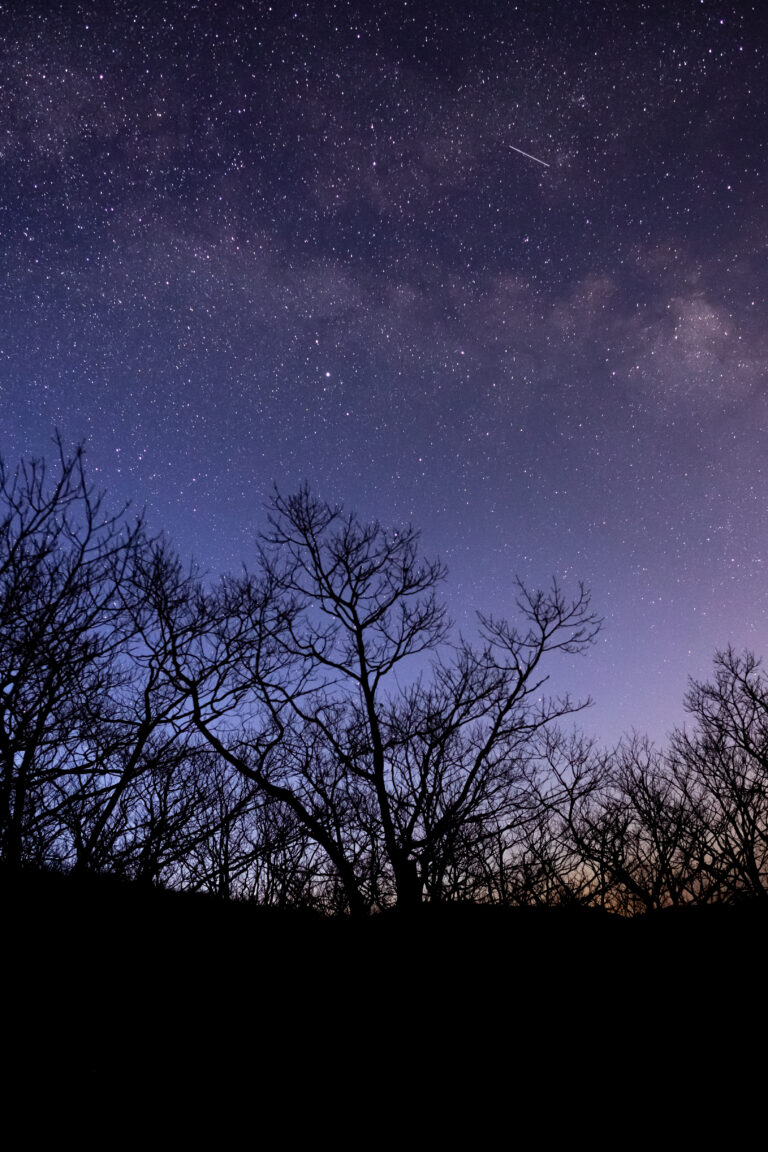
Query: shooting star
(529,156)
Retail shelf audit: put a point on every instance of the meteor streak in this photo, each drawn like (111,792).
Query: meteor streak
(529,156)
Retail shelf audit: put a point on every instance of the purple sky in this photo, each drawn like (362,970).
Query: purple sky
(248,244)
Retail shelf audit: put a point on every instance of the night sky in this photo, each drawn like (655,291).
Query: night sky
(247,244)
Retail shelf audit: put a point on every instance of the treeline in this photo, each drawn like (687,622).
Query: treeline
(260,738)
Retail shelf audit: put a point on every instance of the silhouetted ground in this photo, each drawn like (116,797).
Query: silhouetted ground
(109,983)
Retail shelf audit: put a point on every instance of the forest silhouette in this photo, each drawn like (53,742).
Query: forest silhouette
(251,738)
(200,778)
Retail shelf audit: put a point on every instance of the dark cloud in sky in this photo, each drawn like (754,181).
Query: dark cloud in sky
(247,243)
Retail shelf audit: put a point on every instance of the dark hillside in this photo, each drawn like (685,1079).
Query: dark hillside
(105,977)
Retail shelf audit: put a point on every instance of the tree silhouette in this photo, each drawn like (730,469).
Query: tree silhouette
(627,824)
(262,734)
(62,561)
(291,678)
(722,766)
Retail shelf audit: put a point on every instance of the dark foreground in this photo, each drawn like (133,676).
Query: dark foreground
(107,984)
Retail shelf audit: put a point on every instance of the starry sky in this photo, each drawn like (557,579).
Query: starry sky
(252,243)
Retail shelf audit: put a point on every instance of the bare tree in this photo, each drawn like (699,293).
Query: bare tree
(623,830)
(291,678)
(721,764)
(62,559)
(465,744)
(561,857)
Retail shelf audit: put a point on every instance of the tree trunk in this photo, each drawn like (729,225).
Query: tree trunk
(407,884)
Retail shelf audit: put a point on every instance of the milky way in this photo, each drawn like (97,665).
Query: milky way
(248,244)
